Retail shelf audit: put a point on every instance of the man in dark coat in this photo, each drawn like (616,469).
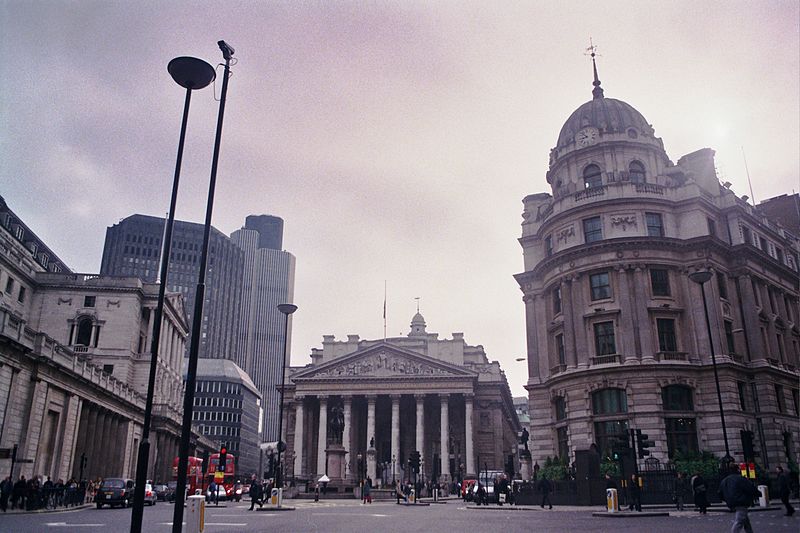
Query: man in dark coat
(699,488)
(738,493)
(634,494)
(546,488)
(254,493)
(784,490)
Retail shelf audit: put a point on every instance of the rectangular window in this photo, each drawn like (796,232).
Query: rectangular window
(756,296)
(604,343)
(780,399)
(779,339)
(9,285)
(600,286)
(563,442)
(762,244)
(562,359)
(108,369)
(712,227)
(655,227)
(557,300)
(592,229)
(729,337)
(722,285)
(666,335)
(548,246)
(796,401)
(21,295)
(659,282)
(89,301)
(681,436)
(742,395)
(561,408)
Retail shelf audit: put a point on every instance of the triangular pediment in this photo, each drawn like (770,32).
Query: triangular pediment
(383,361)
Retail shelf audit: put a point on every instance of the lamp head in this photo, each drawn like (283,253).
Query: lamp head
(287,309)
(191,73)
(701,276)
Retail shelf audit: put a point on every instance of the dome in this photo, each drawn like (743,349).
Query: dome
(417,326)
(605,114)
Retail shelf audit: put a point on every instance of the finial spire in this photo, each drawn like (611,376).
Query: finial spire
(417,299)
(597,92)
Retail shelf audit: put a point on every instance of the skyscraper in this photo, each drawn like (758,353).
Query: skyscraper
(133,248)
(268,280)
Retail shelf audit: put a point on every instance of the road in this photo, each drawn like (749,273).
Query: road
(348,516)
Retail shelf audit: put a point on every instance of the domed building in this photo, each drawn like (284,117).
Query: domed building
(619,258)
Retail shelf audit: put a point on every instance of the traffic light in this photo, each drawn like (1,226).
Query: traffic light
(414,459)
(223,459)
(620,447)
(747,445)
(643,443)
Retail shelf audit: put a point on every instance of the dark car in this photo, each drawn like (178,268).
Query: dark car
(162,491)
(114,491)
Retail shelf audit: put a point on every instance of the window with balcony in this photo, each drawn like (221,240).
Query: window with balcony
(659,282)
(84,336)
(655,226)
(600,286)
(667,341)
(636,172)
(592,177)
(604,342)
(592,230)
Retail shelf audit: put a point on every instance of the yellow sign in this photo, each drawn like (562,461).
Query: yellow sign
(219,476)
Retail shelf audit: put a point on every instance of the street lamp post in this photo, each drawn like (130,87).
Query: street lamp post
(394,481)
(192,74)
(701,277)
(197,319)
(286,309)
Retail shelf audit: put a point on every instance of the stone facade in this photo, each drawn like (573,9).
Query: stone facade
(441,397)
(617,333)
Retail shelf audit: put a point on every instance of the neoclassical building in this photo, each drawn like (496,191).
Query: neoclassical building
(441,397)
(617,333)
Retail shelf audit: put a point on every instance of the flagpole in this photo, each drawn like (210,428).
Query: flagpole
(384,310)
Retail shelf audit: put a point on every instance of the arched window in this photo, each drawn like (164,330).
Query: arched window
(592,177)
(609,402)
(636,171)
(84,337)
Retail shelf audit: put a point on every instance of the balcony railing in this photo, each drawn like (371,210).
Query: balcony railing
(605,359)
(558,369)
(671,356)
(80,348)
(590,192)
(650,188)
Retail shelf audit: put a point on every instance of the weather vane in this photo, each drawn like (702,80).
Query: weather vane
(592,50)
(597,92)
(417,299)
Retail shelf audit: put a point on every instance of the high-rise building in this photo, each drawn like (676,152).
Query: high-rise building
(618,335)
(133,248)
(268,280)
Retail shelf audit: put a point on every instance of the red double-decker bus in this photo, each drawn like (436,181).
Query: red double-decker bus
(194,474)
(226,478)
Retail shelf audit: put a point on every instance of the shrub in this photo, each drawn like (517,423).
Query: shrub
(705,463)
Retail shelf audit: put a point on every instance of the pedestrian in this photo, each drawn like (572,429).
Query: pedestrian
(699,489)
(254,492)
(367,491)
(545,487)
(784,490)
(634,494)
(480,494)
(212,492)
(6,487)
(738,493)
(680,489)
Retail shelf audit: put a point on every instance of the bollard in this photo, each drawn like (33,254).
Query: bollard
(612,503)
(276,497)
(413,496)
(195,514)
(763,500)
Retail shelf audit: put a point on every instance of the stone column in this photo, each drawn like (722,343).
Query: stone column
(396,432)
(445,436)
(570,330)
(348,410)
(92,436)
(750,319)
(420,423)
(370,435)
(67,454)
(298,436)
(105,443)
(468,434)
(323,434)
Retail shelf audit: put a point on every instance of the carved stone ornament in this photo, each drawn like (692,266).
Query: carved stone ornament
(382,364)
(566,233)
(624,221)
(67,301)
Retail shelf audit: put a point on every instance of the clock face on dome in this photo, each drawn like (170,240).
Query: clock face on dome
(586,137)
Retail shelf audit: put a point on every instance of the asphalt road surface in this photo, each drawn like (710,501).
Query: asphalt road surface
(349,516)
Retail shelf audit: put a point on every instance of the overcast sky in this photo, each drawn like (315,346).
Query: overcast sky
(395,139)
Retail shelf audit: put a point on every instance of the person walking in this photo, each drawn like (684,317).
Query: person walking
(738,493)
(6,487)
(634,494)
(254,493)
(784,489)
(367,491)
(480,494)
(680,489)
(699,489)
(546,488)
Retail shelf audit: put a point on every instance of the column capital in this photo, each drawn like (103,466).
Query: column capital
(347,399)
(322,398)
(420,397)
(299,398)
(469,396)
(372,398)
(395,397)
(444,397)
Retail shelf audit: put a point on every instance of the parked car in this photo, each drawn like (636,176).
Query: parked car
(114,491)
(150,497)
(161,492)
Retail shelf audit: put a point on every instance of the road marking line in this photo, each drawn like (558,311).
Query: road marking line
(226,524)
(64,524)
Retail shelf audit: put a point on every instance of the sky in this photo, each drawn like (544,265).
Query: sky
(396,139)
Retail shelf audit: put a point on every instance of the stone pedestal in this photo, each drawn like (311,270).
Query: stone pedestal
(336,463)
(525,467)
(371,463)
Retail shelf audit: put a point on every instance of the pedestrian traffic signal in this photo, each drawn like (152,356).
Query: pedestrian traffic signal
(414,460)
(643,443)
(223,459)
(620,447)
